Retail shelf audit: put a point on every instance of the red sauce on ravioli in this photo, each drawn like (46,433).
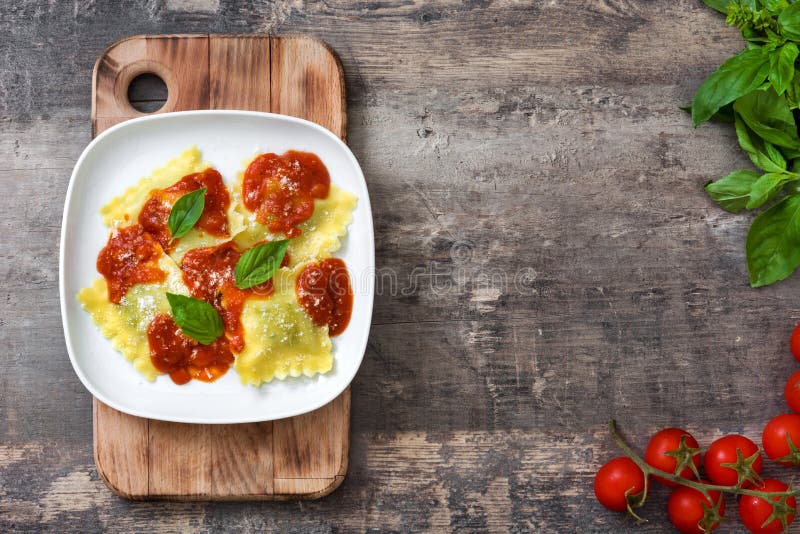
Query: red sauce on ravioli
(155,213)
(130,257)
(323,290)
(209,274)
(172,352)
(281,189)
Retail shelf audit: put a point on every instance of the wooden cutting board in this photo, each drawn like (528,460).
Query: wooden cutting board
(303,457)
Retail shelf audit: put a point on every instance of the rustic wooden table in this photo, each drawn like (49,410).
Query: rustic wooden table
(547,255)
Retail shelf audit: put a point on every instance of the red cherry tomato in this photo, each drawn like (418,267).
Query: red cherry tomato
(754,511)
(792,392)
(723,451)
(669,440)
(774,437)
(616,478)
(794,342)
(685,509)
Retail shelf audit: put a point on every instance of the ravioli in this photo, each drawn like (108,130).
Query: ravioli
(125,209)
(125,324)
(322,232)
(280,339)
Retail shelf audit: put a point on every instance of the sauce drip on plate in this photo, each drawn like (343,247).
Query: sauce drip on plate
(281,189)
(323,290)
(130,257)
(172,352)
(154,215)
(208,273)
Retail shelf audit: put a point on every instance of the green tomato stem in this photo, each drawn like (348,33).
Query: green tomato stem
(699,486)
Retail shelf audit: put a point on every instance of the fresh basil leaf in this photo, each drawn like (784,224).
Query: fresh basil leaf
(781,66)
(258,264)
(772,41)
(736,77)
(747,140)
(775,155)
(773,242)
(196,318)
(789,21)
(756,148)
(769,116)
(767,187)
(186,212)
(732,192)
(719,5)
(724,114)
(774,6)
(793,93)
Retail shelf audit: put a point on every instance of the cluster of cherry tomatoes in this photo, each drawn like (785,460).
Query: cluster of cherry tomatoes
(731,464)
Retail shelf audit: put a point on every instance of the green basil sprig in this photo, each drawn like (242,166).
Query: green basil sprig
(759,89)
(260,263)
(772,242)
(196,318)
(736,77)
(186,212)
(781,64)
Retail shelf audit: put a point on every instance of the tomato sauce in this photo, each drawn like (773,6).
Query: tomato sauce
(154,215)
(281,189)
(130,257)
(172,352)
(209,274)
(323,290)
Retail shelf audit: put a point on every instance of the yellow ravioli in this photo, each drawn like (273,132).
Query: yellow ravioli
(280,339)
(322,232)
(124,209)
(125,324)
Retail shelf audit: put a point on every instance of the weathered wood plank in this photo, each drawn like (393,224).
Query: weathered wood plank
(313,445)
(122,457)
(242,459)
(296,88)
(252,90)
(179,459)
(404,481)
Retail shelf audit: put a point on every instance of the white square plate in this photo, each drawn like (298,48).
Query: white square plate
(122,155)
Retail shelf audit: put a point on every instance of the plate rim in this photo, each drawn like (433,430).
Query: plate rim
(362,346)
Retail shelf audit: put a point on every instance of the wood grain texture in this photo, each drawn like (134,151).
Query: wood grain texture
(303,457)
(252,90)
(180,460)
(540,143)
(296,88)
(314,445)
(242,456)
(122,457)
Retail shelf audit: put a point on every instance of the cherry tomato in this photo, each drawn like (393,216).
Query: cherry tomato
(792,392)
(685,510)
(774,437)
(616,478)
(669,440)
(754,511)
(723,451)
(794,342)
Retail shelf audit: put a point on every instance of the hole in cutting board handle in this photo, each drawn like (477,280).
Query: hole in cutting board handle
(147,92)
